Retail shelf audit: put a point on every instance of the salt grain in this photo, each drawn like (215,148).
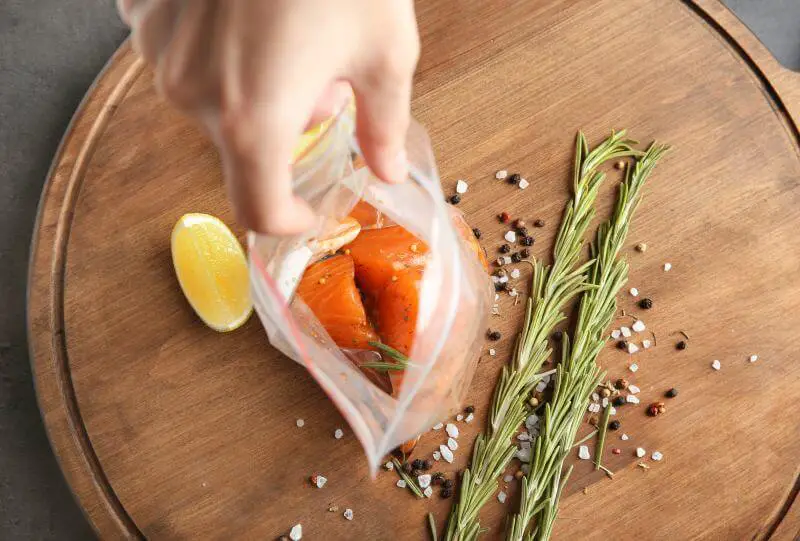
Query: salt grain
(437,455)
(452,444)
(523,184)
(459,417)
(320,481)
(428,492)
(541,386)
(615,334)
(613,411)
(640,452)
(348,514)
(633,389)
(633,367)
(501,175)
(492,352)
(506,259)
(447,454)
(656,456)
(531,421)
(624,437)
(523,454)
(638,326)
(604,402)
(634,292)
(338,433)
(716,365)
(583,452)
(469,417)
(753,358)
(438,426)
(389,466)
(424,480)
(515,273)
(401,484)
(667,267)
(631,399)
(646,344)
(595,397)
(626,332)
(508,478)
(510,236)
(300,423)
(297,532)
(524,436)
(452,430)
(503,279)
(632,348)
(501,497)
(461,187)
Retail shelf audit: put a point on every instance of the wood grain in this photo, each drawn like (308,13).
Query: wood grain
(167,430)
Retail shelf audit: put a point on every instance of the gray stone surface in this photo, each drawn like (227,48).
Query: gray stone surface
(50,51)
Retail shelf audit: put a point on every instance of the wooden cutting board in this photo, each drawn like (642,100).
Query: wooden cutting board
(168,430)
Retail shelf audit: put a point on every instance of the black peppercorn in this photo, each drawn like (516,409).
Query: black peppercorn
(446,493)
(498,287)
(516,257)
(514,178)
(469,409)
(646,303)
(455,199)
(527,241)
(448,483)
(618,401)
(418,464)
(494,335)
(505,248)
(538,223)
(427,464)
(681,345)
(476,232)
(614,425)
(437,478)
(621,384)
(525,253)
(522,231)
(408,468)
(416,473)
(672,393)
(558,335)
(622,344)
(507,287)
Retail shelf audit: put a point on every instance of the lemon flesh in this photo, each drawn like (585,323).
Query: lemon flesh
(212,270)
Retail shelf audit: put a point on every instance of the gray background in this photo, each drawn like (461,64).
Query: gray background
(50,51)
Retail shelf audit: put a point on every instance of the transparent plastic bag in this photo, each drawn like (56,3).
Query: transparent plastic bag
(454,292)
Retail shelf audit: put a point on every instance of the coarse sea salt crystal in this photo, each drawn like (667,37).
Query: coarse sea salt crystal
(531,421)
(503,279)
(437,455)
(400,483)
(320,481)
(524,445)
(459,417)
(510,236)
(492,352)
(452,444)
(428,492)
(633,367)
(615,334)
(469,417)
(447,454)
(604,402)
(513,292)
(626,332)
(424,480)
(613,411)
(523,184)
(507,258)
(501,175)
(656,456)
(523,454)
(633,389)
(634,292)
(632,348)
(667,267)
(638,326)
(515,273)
(297,532)
(338,433)
(501,497)
(494,279)
(496,297)
(646,344)
(452,430)
(461,186)
(640,452)
(524,436)
(753,358)
(300,423)
(348,514)
(594,407)
(631,399)
(595,397)
(716,365)
(389,466)
(541,386)
(438,426)
(624,437)
(583,452)
(508,478)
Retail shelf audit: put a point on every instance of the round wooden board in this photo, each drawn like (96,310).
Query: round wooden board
(167,430)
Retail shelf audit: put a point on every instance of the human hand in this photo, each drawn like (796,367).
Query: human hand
(257,73)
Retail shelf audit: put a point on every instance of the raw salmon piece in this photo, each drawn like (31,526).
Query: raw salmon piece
(328,288)
(366,214)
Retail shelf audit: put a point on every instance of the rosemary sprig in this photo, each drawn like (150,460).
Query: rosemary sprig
(390,352)
(578,373)
(401,362)
(410,483)
(551,288)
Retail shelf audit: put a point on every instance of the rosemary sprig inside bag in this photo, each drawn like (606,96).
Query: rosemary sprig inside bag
(551,288)
(578,374)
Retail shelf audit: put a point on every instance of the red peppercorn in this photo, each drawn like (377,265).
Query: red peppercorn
(616,451)
(503,217)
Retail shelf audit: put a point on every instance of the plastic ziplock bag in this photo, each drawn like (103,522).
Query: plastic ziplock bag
(454,291)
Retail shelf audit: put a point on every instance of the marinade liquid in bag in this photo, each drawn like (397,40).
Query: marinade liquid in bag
(388,265)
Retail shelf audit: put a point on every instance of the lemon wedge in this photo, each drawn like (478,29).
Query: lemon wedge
(212,270)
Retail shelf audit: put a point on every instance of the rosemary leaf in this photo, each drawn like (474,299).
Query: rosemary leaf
(411,484)
(432,524)
(601,438)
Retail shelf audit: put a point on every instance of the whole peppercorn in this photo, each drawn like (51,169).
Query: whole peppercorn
(449,483)
(469,409)
(503,217)
(407,468)
(427,464)
(672,393)
(614,425)
(619,401)
(620,165)
(516,257)
(418,464)
(622,344)
(455,199)
(519,474)
(519,223)
(538,223)
(525,253)
(498,287)
(557,335)
(476,232)
(646,303)
(446,493)
(593,420)
(507,287)
(681,345)
(527,240)
(514,178)
(437,478)
(641,247)
(505,248)
(616,451)
(494,335)
(501,272)
(656,408)
(621,384)
(522,231)
(604,392)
